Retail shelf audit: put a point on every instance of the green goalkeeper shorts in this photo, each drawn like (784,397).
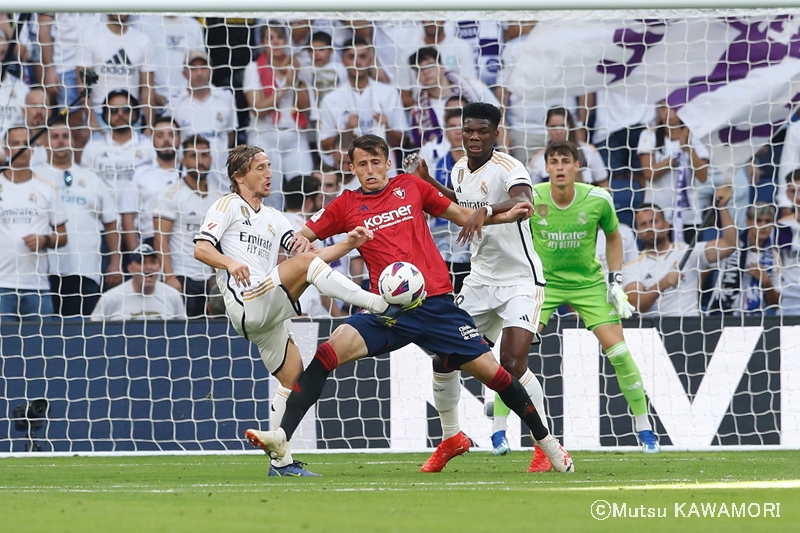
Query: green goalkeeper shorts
(589,302)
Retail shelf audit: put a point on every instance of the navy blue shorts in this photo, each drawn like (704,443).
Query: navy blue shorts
(438,326)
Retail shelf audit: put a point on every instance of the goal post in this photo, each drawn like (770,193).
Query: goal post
(729,69)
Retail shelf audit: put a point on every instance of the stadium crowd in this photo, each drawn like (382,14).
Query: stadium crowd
(116,131)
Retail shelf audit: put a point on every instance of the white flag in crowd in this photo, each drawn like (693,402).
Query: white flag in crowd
(735,81)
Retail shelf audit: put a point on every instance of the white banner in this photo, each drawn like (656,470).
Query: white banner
(735,81)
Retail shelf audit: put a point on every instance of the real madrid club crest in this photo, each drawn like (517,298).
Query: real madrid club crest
(245,212)
(484,188)
(542,210)
(400,193)
(32,198)
(460,175)
(220,118)
(271,230)
(581,218)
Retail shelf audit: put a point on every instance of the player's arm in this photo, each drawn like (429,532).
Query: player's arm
(616,295)
(113,274)
(205,252)
(421,171)
(519,194)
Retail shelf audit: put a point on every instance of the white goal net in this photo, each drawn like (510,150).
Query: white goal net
(667,107)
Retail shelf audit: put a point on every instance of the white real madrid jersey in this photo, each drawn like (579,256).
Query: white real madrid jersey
(505,254)
(250,237)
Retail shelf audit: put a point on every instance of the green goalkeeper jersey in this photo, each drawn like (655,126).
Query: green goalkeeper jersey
(566,238)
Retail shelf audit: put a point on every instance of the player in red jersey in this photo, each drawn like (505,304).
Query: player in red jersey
(395,211)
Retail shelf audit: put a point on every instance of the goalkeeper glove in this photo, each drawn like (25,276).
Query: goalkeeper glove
(617,297)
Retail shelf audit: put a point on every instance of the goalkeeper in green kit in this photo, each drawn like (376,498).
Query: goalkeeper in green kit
(567,216)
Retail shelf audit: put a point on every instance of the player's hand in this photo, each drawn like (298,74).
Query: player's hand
(617,297)
(359,236)
(411,162)
(472,228)
(521,211)
(239,272)
(300,244)
(352,122)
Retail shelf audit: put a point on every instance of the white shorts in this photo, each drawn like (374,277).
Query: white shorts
(262,317)
(494,308)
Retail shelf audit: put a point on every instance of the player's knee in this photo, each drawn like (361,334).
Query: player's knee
(440,365)
(516,366)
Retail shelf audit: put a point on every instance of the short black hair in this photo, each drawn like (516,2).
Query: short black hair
(450,113)
(561,148)
(357,40)
(166,119)
(297,189)
(424,53)
(649,206)
(322,37)
(483,111)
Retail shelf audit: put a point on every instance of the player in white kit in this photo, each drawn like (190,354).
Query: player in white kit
(505,288)
(240,238)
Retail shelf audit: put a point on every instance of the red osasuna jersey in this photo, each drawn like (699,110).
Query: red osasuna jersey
(397,216)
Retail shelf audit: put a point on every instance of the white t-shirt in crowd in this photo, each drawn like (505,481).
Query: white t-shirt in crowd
(339,104)
(595,170)
(119,60)
(29,207)
(149,181)
(790,161)
(455,55)
(116,164)
(661,191)
(186,208)
(630,250)
(13,92)
(88,205)
(283,118)
(213,119)
(173,37)
(124,303)
(67,30)
(321,80)
(682,300)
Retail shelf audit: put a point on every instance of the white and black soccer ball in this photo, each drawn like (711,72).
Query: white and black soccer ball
(401,284)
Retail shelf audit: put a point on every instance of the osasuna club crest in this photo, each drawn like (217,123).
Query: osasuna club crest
(400,193)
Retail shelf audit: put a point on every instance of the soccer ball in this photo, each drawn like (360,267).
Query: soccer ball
(401,284)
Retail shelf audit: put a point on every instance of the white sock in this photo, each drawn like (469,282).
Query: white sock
(499,423)
(336,285)
(534,390)
(642,423)
(275,416)
(446,393)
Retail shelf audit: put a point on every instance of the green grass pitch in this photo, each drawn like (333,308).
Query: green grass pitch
(386,493)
